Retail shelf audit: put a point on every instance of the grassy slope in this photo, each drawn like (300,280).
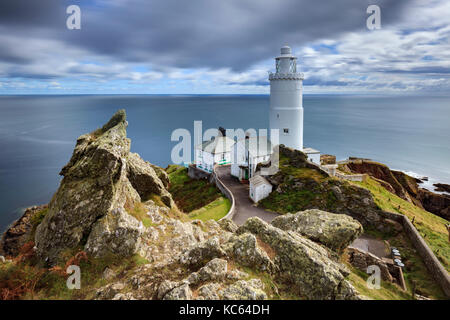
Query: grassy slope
(296,200)
(431,227)
(199,198)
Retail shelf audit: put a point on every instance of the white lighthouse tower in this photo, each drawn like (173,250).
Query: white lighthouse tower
(286,100)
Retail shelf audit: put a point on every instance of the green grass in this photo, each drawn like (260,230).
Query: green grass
(190,194)
(214,210)
(387,291)
(431,227)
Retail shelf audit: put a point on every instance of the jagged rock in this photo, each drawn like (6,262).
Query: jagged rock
(165,287)
(245,250)
(228,225)
(302,263)
(146,181)
(20,232)
(336,231)
(117,233)
(93,194)
(244,290)
(209,291)
(182,292)
(214,270)
(203,252)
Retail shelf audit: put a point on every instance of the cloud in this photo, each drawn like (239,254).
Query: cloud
(226,43)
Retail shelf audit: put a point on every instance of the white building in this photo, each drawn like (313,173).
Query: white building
(217,151)
(260,188)
(312,154)
(247,153)
(286,103)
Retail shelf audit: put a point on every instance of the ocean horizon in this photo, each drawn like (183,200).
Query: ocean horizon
(39,132)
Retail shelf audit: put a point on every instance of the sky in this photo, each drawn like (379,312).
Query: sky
(222,46)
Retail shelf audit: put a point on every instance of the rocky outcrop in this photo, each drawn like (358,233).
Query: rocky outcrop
(302,263)
(336,231)
(20,232)
(436,203)
(442,187)
(101,180)
(403,185)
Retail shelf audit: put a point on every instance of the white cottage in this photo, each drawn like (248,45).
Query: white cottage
(247,153)
(260,188)
(217,151)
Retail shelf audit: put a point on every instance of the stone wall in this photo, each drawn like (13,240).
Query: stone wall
(433,265)
(219,184)
(195,173)
(350,177)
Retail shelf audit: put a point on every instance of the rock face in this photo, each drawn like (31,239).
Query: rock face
(442,187)
(436,203)
(302,263)
(101,180)
(327,159)
(336,231)
(19,232)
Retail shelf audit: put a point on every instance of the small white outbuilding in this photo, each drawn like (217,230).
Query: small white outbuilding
(260,188)
(313,155)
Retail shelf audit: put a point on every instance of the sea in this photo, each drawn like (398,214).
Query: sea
(38,133)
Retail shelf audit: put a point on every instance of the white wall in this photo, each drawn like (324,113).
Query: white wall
(314,157)
(259,192)
(286,111)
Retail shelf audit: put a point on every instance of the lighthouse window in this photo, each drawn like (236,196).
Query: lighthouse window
(286,131)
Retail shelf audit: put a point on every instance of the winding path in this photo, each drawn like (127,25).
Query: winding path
(244,207)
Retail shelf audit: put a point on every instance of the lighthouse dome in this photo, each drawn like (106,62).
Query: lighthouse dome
(286,50)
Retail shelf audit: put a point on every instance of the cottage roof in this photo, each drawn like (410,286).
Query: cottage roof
(217,145)
(310,150)
(258,181)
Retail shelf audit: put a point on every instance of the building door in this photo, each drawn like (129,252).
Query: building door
(246,174)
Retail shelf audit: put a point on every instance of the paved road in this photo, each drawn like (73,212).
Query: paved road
(244,207)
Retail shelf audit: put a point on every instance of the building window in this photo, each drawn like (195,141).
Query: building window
(286,131)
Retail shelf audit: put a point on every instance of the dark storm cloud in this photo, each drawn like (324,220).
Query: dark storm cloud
(188,34)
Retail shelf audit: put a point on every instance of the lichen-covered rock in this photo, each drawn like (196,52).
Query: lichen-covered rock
(214,270)
(245,250)
(228,225)
(302,263)
(20,232)
(146,181)
(336,231)
(95,187)
(202,252)
(244,290)
(182,292)
(209,291)
(116,233)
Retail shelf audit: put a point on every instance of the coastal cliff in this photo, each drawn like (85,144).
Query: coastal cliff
(404,186)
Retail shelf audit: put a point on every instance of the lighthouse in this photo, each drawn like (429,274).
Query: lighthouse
(286,100)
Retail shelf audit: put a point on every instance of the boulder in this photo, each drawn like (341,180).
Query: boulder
(116,233)
(245,250)
(305,265)
(228,225)
(244,290)
(214,270)
(336,231)
(182,292)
